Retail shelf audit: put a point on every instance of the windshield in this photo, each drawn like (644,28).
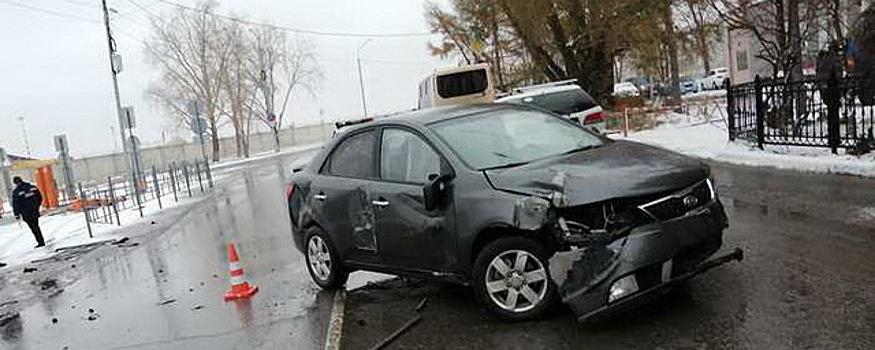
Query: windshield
(512,137)
(561,102)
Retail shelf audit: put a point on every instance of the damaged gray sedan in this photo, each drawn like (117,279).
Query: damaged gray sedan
(524,206)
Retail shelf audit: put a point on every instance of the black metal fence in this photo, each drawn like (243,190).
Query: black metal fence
(834,113)
(102,202)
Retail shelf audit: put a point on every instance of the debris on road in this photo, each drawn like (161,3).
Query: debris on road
(397,333)
(48,284)
(165,302)
(29,269)
(197,307)
(92,316)
(421,305)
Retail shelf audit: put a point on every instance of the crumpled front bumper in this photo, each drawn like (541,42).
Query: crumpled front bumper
(657,255)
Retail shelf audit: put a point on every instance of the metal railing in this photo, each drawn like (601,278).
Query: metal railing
(833,113)
(101,203)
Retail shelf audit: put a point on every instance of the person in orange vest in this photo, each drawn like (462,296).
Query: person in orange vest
(26,200)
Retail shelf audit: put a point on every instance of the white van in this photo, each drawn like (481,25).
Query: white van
(457,85)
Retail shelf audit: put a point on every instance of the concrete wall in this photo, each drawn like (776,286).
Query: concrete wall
(98,168)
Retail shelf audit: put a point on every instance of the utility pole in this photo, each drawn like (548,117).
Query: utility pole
(267,82)
(361,80)
(24,135)
(114,66)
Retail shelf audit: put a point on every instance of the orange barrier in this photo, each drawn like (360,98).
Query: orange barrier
(240,288)
(45,181)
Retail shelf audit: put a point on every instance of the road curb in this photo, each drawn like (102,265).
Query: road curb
(335,323)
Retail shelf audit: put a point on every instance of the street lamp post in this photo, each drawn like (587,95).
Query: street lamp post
(361,80)
(24,135)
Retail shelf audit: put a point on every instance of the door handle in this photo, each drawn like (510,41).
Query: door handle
(380,203)
(320,196)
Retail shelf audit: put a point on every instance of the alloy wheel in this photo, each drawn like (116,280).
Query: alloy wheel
(319,257)
(516,281)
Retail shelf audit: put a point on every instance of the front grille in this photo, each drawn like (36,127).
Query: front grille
(681,202)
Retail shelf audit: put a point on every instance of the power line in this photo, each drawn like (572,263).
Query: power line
(301,31)
(143,8)
(78,3)
(49,12)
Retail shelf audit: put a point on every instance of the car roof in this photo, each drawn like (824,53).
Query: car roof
(424,117)
(539,91)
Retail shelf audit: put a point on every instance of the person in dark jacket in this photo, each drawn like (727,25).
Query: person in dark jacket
(26,200)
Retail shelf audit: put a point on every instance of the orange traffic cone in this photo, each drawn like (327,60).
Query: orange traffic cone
(240,288)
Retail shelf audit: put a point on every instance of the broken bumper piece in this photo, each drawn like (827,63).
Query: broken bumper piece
(597,281)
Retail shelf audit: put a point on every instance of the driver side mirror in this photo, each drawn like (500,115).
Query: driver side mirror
(435,191)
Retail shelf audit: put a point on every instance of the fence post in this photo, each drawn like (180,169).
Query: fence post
(209,173)
(760,112)
(832,112)
(83,202)
(730,107)
(187,181)
(173,182)
(136,185)
(113,202)
(197,169)
(157,189)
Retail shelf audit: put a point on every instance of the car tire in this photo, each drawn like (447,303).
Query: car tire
(510,290)
(322,260)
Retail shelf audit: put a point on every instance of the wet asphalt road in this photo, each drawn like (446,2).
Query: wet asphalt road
(807,282)
(163,289)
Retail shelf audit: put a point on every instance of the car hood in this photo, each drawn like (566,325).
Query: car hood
(615,170)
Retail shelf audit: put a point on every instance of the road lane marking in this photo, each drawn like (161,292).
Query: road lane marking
(335,323)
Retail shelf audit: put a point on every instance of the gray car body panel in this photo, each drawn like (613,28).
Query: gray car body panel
(520,200)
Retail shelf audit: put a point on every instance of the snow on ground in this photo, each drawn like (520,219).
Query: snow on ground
(705,94)
(706,137)
(267,154)
(68,230)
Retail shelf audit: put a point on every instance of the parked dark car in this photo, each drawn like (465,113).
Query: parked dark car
(527,207)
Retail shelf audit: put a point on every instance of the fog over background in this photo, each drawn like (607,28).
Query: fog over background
(54,66)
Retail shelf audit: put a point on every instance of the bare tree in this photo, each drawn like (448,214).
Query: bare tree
(700,27)
(280,67)
(187,48)
(238,85)
(780,27)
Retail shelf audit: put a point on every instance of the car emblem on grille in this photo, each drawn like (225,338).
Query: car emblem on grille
(690,201)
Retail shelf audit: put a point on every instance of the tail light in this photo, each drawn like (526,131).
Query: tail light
(596,117)
(290,189)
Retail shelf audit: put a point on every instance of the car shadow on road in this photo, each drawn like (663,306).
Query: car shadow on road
(452,319)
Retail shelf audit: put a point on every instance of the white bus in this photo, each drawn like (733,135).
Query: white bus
(458,85)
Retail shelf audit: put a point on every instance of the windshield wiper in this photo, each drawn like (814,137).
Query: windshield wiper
(505,166)
(579,149)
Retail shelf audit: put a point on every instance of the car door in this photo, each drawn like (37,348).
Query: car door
(341,196)
(411,237)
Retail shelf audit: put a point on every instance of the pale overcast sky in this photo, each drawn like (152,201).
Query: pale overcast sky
(54,70)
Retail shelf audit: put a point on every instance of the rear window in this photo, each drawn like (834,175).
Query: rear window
(463,83)
(561,102)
